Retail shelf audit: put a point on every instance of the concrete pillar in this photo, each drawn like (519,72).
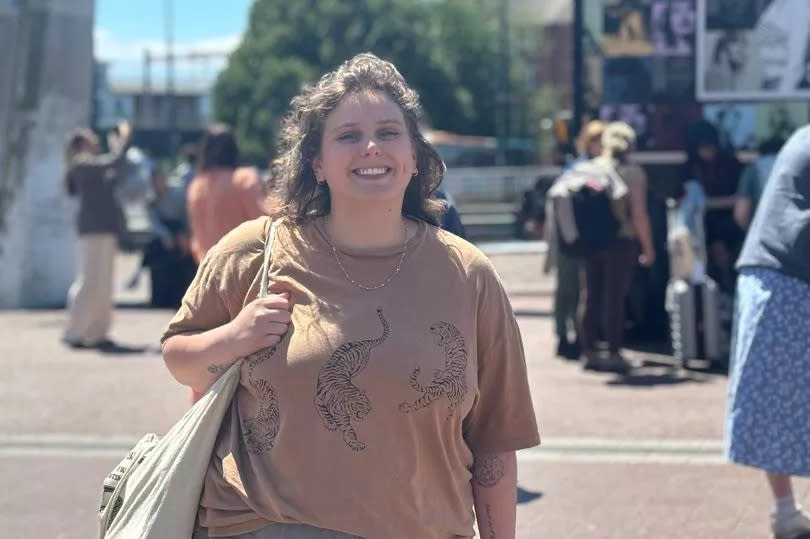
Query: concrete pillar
(45,91)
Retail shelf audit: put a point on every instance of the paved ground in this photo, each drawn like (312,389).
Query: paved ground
(623,457)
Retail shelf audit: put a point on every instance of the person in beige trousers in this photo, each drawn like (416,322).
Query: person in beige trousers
(91,178)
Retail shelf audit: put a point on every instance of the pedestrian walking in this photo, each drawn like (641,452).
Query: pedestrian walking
(717,170)
(566,291)
(222,194)
(167,255)
(394,394)
(450,217)
(609,271)
(769,382)
(752,182)
(91,177)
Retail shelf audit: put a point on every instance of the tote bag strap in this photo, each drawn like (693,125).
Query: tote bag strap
(268,249)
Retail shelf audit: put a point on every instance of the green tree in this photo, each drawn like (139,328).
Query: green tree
(446,49)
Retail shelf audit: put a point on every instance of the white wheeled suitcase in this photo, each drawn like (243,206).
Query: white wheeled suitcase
(692,298)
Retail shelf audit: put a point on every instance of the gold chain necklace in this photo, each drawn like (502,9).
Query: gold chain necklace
(383,283)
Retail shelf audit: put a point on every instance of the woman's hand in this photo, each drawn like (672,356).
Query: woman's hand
(124,131)
(262,323)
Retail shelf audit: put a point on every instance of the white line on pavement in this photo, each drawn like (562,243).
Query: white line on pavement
(585,449)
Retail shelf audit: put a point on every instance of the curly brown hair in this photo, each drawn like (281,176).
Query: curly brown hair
(298,194)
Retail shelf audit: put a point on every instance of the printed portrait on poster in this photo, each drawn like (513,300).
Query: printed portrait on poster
(779,120)
(626,28)
(736,123)
(753,49)
(673,27)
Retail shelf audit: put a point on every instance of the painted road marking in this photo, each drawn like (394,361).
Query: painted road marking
(607,450)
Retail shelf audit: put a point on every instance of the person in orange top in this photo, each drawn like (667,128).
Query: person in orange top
(222,195)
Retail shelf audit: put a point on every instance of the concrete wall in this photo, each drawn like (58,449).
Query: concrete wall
(47,58)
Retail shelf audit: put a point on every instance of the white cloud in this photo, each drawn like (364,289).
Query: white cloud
(110,48)
(125,57)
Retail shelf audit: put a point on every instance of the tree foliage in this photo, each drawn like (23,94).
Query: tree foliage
(446,49)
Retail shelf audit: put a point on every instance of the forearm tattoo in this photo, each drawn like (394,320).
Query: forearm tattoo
(488,470)
(490,524)
(217,369)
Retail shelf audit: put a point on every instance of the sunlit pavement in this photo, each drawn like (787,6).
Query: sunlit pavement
(634,456)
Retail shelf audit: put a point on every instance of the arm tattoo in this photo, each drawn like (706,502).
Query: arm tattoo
(217,369)
(489,523)
(488,470)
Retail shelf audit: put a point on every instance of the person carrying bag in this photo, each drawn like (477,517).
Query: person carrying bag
(154,492)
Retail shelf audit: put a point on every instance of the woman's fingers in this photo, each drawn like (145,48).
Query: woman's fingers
(275,328)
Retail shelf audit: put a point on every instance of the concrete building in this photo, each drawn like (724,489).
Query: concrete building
(149,111)
(46,68)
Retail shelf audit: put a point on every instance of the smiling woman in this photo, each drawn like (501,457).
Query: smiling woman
(385,392)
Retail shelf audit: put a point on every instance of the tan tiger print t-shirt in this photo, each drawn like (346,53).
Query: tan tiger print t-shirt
(366,418)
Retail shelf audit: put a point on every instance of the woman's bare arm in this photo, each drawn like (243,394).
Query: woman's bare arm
(495,494)
(197,359)
(641,220)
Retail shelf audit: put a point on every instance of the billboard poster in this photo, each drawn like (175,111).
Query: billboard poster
(780,120)
(626,28)
(673,27)
(627,80)
(736,122)
(673,79)
(753,49)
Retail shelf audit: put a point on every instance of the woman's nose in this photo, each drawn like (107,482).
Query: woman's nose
(371,147)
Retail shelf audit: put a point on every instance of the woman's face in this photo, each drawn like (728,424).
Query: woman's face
(594,148)
(91,145)
(682,18)
(366,150)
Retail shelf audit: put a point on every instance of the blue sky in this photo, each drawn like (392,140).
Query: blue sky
(124,29)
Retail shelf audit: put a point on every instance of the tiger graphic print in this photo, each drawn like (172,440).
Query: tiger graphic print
(339,403)
(259,433)
(449,381)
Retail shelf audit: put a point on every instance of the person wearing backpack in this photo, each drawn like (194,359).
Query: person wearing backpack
(610,213)
(567,286)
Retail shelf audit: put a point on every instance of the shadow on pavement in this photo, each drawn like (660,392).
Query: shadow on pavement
(532,293)
(525,496)
(533,313)
(141,305)
(118,349)
(658,376)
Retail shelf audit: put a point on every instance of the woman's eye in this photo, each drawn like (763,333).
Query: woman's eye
(389,133)
(348,137)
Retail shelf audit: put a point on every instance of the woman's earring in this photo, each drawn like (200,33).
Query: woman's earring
(415,172)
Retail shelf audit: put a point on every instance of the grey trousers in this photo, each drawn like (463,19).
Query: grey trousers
(285,531)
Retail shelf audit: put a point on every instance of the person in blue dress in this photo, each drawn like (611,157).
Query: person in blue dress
(768,407)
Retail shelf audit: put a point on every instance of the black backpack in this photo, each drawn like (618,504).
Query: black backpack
(583,199)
